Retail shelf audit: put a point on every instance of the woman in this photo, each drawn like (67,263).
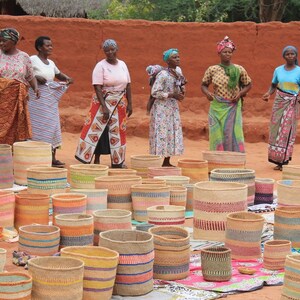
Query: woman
(230,84)
(44,113)
(165,135)
(104,130)
(285,113)
(16,74)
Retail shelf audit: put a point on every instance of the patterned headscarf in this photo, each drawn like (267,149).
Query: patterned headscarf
(293,49)
(109,43)
(168,53)
(225,43)
(10,34)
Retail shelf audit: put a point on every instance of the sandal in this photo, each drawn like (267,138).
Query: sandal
(57,163)
(278,168)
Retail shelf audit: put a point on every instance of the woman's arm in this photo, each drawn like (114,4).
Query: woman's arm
(63,77)
(271,90)
(128,96)
(242,92)
(99,94)
(34,86)
(206,92)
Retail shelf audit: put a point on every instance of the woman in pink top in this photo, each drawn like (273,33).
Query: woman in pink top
(104,130)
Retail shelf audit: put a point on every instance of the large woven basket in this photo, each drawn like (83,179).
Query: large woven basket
(174,180)
(135,268)
(189,196)
(29,154)
(109,219)
(3,253)
(172,252)
(100,267)
(288,192)
(7,209)
(119,190)
(178,195)
(56,278)
(166,215)
(264,188)
(31,208)
(163,171)
(224,159)
(212,202)
(146,195)
(40,240)
(216,264)
(6,167)
(16,286)
(246,176)
(83,176)
(291,172)
(75,229)
(243,235)
(118,172)
(196,170)
(141,163)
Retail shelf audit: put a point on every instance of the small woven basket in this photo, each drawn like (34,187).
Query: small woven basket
(291,172)
(264,188)
(178,195)
(163,171)
(288,192)
(141,163)
(174,180)
(196,170)
(166,215)
(7,209)
(6,167)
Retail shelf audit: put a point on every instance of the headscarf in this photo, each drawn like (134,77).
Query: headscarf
(109,43)
(293,49)
(10,34)
(225,43)
(168,53)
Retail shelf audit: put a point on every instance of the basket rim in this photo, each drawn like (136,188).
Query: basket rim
(88,167)
(264,180)
(256,218)
(294,257)
(221,153)
(238,185)
(289,209)
(5,146)
(281,243)
(25,275)
(146,156)
(75,196)
(166,228)
(82,191)
(69,249)
(143,186)
(115,177)
(24,228)
(291,167)
(192,160)
(6,193)
(210,250)
(33,260)
(127,213)
(281,183)
(45,169)
(172,208)
(3,250)
(72,217)
(172,177)
(164,168)
(126,230)
(177,188)
(28,196)
(239,171)
(32,144)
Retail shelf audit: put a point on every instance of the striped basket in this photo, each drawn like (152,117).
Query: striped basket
(7,209)
(31,208)
(246,176)
(29,154)
(109,219)
(153,181)
(83,176)
(146,195)
(118,172)
(119,190)
(40,240)
(178,195)
(275,253)
(224,159)
(264,188)
(166,215)
(172,252)
(56,278)
(135,268)
(16,286)
(6,167)
(216,264)
(96,198)
(141,163)
(288,192)
(243,235)
(287,225)
(291,172)
(3,253)
(174,180)
(189,196)
(212,202)
(196,170)
(75,229)
(100,268)
(163,171)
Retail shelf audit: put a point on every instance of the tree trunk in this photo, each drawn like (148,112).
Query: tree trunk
(7,7)
(271,10)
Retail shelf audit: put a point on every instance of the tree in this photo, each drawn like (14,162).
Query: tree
(272,10)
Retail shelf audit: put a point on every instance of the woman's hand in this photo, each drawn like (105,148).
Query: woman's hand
(210,96)
(266,97)
(40,79)
(236,97)
(105,113)
(177,96)
(37,93)
(129,110)
(69,80)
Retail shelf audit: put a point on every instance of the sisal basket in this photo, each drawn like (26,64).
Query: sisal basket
(163,171)
(15,285)
(291,172)
(172,252)
(178,195)
(212,202)
(288,192)
(146,195)
(174,180)
(29,154)
(6,167)
(189,196)
(40,240)
(56,278)
(7,209)
(264,188)
(136,255)
(118,172)
(109,219)
(141,163)
(153,181)
(196,170)
(100,267)
(83,176)
(216,264)
(243,235)
(166,215)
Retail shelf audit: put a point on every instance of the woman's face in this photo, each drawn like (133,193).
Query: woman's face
(111,52)
(174,60)
(290,56)
(47,48)
(226,55)
(7,45)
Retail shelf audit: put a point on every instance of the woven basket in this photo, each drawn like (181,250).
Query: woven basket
(275,253)
(178,195)
(118,172)
(287,224)
(31,208)
(146,195)
(243,235)
(216,264)
(166,215)
(119,190)
(264,188)
(75,229)
(6,167)
(172,252)
(40,240)
(96,198)
(163,171)
(153,181)
(7,209)
(174,180)
(189,196)
(288,192)
(141,163)
(83,176)
(2,259)
(196,170)
(100,267)
(135,269)
(29,154)
(291,172)
(56,278)
(212,202)
(16,286)
(246,176)
(109,219)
